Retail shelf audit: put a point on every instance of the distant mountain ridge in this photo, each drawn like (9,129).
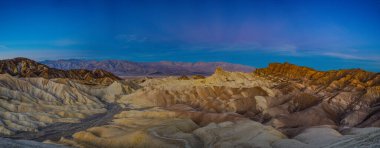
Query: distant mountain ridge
(164,68)
(23,67)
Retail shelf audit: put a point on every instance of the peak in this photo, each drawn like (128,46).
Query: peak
(288,66)
(219,70)
(291,71)
(24,67)
(19,59)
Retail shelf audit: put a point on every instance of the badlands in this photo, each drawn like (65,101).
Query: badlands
(283,105)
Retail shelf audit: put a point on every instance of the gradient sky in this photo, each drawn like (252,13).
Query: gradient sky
(320,34)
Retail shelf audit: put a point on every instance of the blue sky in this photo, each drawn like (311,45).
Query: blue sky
(320,34)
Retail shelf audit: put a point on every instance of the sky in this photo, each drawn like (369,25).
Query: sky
(320,34)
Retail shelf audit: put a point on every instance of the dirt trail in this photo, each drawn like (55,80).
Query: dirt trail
(57,130)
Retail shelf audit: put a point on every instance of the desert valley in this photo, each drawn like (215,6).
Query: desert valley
(282,105)
(189,74)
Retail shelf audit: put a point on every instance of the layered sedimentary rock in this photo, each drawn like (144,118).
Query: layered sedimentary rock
(27,104)
(343,98)
(23,67)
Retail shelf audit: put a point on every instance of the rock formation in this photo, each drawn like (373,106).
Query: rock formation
(23,67)
(27,104)
(343,97)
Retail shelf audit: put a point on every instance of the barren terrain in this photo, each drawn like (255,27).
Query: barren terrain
(283,105)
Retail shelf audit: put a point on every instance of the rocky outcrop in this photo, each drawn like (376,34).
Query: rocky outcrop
(339,97)
(22,67)
(29,103)
(128,68)
(347,80)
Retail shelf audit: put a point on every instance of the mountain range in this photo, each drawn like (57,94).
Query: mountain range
(282,105)
(23,67)
(164,68)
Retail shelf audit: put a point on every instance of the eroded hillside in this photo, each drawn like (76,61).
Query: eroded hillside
(343,98)
(283,105)
(233,109)
(27,104)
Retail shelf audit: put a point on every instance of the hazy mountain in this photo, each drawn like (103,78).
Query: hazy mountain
(127,68)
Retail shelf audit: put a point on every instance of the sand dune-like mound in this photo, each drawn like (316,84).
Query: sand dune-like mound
(157,127)
(173,127)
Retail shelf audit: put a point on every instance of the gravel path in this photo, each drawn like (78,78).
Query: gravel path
(57,130)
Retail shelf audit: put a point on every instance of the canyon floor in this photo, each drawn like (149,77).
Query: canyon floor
(283,105)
